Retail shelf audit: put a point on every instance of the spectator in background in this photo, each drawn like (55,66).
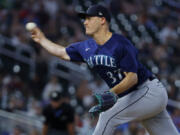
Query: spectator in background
(34,132)
(17,131)
(98,85)
(52,85)
(168,32)
(88,124)
(59,116)
(34,108)
(132,129)
(118,132)
(175,116)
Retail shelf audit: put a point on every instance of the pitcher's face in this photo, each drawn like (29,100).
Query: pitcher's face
(92,25)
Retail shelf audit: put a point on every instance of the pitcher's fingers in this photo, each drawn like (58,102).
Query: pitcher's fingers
(35,30)
(33,36)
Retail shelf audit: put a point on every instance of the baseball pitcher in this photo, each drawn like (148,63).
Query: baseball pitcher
(134,94)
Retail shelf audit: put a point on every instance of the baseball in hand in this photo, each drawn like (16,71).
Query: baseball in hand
(30,26)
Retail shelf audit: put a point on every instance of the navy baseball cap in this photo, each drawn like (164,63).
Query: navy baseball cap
(55,95)
(96,10)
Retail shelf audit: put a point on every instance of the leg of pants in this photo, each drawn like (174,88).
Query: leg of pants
(149,100)
(160,124)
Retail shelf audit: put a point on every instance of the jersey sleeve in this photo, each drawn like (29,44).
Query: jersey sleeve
(73,51)
(128,59)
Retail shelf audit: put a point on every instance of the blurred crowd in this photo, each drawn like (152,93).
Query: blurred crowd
(153,26)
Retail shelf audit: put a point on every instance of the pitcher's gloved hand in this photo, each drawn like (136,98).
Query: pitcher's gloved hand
(106,100)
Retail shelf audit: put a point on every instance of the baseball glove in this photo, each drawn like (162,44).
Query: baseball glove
(106,100)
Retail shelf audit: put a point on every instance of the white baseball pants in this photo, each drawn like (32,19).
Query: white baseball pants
(147,104)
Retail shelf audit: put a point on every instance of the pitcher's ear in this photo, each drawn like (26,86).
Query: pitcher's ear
(103,20)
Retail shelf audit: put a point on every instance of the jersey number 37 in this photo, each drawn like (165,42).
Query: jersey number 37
(115,75)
